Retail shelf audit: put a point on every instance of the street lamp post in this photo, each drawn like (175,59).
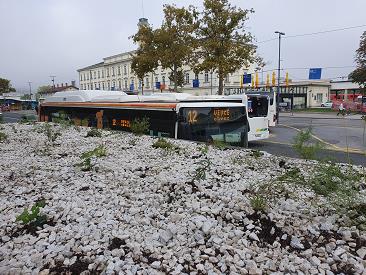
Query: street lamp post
(279,70)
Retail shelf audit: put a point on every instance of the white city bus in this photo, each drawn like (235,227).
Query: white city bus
(168,116)
(257,109)
(258,114)
(272,106)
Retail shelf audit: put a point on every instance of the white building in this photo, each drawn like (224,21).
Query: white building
(115,73)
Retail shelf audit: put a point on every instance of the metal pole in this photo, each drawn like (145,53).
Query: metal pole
(30,90)
(211,82)
(279,70)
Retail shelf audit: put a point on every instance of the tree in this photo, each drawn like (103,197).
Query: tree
(43,90)
(5,86)
(175,41)
(144,60)
(224,46)
(359,74)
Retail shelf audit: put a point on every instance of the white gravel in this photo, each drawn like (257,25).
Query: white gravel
(139,211)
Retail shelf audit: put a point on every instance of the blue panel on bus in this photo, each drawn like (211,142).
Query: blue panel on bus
(196,83)
(247,79)
(157,85)
(132,87)
(315,73)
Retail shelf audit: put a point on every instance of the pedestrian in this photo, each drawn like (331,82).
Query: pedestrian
(340,109)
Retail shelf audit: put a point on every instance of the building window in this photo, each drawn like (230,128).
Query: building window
(81,77)
(133,83)
(206,76)
(119,84)
(196,76)
(102,73)
(88,86)
(103,85)
(91,75)
(99,85)
(125,69)
(98,74)
(187,78)
(227,79)
(140,83)
(126,83)
(147,83)
(163,80)
(156,79)
(95,75)
(119,70)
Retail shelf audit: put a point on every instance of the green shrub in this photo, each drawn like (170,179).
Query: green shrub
(329,179)
(63,119)
(3,137)
(140,126)
(219,144)
(94,132)
(304,146)
(165,144)
(50,132)
(258,203)
(34,215)
(86,157)
(27,119)
(200,172)
(256,153)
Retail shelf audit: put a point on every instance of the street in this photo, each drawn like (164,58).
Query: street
(336,133)
(13,117)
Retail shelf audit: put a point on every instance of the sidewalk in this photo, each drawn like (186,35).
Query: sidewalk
(320,115)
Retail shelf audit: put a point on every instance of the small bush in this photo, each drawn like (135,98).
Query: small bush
(164,144)
(256,154)
(3,137)
(86,164)
(304,146)
(51,134)
(63,119)
(258,203)
(140,126)
(34,215)
(27,119)
(219,144)
(94,132)
(200,172)
(329,179)
(204,149)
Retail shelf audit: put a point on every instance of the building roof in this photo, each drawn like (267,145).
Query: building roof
(91,66)
(59,89)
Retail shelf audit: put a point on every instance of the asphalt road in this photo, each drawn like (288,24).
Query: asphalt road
(334,132)
(13,117)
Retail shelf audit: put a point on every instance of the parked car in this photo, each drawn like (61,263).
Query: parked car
(327,104)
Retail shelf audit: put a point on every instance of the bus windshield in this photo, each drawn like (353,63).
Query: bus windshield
(207,124)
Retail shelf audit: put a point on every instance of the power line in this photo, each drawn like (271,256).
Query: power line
(327,31)
(314,33)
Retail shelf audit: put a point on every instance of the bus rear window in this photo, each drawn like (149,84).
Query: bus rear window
(257,106)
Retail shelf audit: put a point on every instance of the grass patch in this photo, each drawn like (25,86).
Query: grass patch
(140,126)
(219,144)
(86,157)
(305,147)
(165,144)
(3,137)
(200,172)
(94,132)
(315,110)
(258,203)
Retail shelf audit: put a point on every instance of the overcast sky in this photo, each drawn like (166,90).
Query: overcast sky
(39,38)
